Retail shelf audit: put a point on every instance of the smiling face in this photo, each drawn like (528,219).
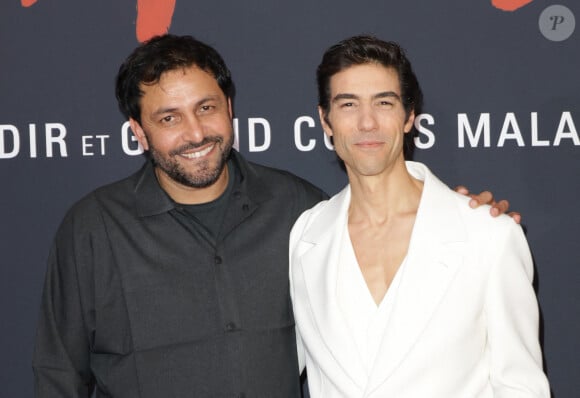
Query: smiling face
(366,119)
(186,124)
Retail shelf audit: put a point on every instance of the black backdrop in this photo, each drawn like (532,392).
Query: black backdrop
(502,113)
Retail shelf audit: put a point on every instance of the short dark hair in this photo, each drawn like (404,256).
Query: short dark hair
(161,54)
(365,49)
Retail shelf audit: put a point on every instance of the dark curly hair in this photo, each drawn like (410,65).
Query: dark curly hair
(161,54)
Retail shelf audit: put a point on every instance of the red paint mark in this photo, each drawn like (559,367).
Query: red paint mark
(509,5)
(153,18)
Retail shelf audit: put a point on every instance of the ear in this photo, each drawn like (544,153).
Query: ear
(409,123)
(139,133)
(230,109)
(325,126)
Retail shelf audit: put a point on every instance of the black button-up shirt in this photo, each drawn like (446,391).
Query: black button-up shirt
(140,304)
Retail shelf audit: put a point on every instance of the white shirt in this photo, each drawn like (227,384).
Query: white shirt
(365,320)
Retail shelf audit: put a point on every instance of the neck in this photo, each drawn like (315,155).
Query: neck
(379,198)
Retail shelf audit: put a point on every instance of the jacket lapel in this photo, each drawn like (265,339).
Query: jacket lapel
(319,265)
(433,258)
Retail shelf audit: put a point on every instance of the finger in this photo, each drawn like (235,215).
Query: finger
(484,198)
(500,207)
(517,217)
(462,190)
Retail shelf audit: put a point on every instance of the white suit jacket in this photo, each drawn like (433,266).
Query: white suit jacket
(465,319)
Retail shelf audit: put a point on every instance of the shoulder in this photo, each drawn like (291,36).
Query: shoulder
(114,192)
(450,210)
(323,216)
(480,217)
(281,178)
(86,213)
(444,199)
(283,185)
(497,240)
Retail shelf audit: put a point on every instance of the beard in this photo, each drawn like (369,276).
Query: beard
(206,173)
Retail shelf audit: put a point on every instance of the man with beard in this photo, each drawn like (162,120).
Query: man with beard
(174,281)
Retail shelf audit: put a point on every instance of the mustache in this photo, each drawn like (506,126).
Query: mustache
(194,145)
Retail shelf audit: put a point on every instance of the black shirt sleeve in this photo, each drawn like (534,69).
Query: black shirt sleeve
(62,349)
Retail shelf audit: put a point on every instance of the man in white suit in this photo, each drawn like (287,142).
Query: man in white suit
(399,288)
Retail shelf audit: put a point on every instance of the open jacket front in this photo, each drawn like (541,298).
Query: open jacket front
(464,322)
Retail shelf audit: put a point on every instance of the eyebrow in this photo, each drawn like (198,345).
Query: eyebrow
(162,111)
(202,101)
(383,94)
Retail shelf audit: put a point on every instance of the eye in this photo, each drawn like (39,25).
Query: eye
(206,108)
(347,105)
(167,119)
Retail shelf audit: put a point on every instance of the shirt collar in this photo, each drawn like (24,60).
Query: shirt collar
(151,199)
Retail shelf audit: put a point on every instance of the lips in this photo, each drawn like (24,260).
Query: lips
(198,154)
(369,144)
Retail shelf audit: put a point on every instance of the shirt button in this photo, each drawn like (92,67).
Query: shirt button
(230,326)
(245,207)
(237,194)
(242,395)
(217,260)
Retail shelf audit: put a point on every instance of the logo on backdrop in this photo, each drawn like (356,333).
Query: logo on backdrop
(477,131)
(54,139)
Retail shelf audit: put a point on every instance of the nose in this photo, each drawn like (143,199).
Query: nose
(367,120)
(193,130)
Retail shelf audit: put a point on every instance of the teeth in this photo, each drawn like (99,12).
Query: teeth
(198,154)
